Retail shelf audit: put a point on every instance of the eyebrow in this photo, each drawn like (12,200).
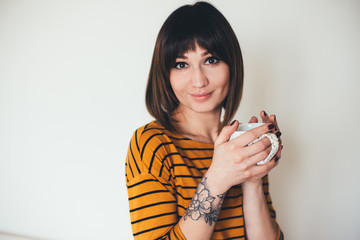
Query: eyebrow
(185,57)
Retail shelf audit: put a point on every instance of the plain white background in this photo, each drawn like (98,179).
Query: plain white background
(72,83)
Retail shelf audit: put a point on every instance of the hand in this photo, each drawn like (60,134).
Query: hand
(275,161)
(234,161)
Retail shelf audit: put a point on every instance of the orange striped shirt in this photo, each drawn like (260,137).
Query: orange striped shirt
(163,170)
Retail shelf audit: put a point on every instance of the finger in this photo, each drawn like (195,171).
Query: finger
(257,147)
(264,116)
(253,120)
(278,133)
(263,169)
(226,132)
(278,153)
(251,135)
(273,120)
(258,151)
(268,119)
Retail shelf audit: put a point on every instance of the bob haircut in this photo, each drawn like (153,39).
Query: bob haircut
(187,26)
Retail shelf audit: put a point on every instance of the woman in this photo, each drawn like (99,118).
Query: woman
(185,179)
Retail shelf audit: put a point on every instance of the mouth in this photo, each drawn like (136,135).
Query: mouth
(201,96)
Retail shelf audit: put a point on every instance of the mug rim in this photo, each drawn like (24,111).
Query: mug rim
(248,126)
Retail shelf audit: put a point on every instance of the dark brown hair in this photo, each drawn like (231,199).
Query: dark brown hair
(203,24)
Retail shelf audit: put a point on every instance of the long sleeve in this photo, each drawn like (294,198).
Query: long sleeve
(280,235)
(152,209)
(163,170)
(152,201)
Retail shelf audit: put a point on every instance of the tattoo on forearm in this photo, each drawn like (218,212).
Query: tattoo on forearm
(202,205)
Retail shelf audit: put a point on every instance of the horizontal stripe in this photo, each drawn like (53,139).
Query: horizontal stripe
(179,205)
(197,158)
(186,187)
(232,197)
(145,181)
(224,229)
(154,216)
(190,167)
(152,205)
(185,198)
(195,149)
(236,237)
(173,165)
(187,176)
(148,193)
(139,183)
(228,218)
(155,228)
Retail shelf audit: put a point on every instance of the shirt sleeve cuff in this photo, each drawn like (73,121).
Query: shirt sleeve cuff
(178,233)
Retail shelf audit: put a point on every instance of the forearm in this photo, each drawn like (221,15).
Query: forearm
(200,218)
(259,224)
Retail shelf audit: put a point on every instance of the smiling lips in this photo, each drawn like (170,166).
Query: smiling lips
(201,96)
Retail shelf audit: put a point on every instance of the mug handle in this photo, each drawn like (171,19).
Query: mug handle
(274,146)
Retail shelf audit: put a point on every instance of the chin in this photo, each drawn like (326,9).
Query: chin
(206,109)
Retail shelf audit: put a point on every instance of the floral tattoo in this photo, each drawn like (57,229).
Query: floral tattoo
(201,205)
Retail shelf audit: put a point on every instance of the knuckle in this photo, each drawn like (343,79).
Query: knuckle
(247,174)
(252,135)
(243,167)
(241,158)
(232,147)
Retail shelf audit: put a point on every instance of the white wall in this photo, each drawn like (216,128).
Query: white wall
(72,82)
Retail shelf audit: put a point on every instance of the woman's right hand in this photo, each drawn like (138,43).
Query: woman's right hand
(234,161)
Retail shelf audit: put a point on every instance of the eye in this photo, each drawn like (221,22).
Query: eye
(180,65)
(212,60)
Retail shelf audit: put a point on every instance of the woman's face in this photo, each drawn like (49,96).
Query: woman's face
(200,81)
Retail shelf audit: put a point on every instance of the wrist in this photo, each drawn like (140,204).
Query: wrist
(252,184)
(215,185)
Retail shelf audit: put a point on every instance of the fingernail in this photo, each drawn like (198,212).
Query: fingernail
(278,134)
(265,113)
(271,126)
(276,159)
(232,123)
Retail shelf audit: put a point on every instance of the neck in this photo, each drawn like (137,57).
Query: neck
(202,127)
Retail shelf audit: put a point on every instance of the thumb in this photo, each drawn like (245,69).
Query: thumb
(226,132)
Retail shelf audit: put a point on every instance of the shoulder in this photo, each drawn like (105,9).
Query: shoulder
(150,137)
(149,146)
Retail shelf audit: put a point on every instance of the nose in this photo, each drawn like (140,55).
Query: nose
(199,78)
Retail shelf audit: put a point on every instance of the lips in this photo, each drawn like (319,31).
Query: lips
(201,96)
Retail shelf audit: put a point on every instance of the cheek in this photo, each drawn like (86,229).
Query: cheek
(177,83)
(223,79)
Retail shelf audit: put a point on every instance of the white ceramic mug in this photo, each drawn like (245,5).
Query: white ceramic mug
(273,139)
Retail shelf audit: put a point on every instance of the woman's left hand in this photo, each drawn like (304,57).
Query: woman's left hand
(267,119)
